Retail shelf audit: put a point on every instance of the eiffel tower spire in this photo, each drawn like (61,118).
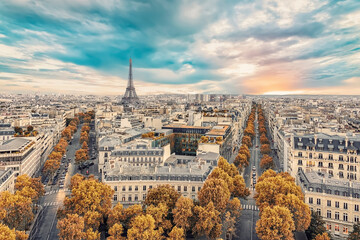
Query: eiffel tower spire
(130,96)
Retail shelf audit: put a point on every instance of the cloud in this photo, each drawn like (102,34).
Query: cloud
(213,46)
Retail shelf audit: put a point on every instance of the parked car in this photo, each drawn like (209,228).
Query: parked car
(254,168)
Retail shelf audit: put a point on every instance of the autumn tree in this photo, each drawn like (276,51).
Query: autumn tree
(89,195)
(355,234)
(183,213)
(208,222)
(241,161)
(275,223)
(51,166)
(300,211)
(55,156)
(124,215)
(84,146)
(115,232)
(66,133)
(317,226)
(81,156)
(16,210)
(23,182)
(160,214)
(230,169)
(324,236)
(215,191)
(266,162)
(244,150)
(264,139)
(176,234)
(247,141)
(162,194)
(75,180)
(6,233)
(265,149)
(143,227)
(71,227)
(239,187)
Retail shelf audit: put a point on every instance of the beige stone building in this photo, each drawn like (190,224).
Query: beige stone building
(336,200)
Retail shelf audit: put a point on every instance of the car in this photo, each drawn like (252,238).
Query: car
(61,185)
(254,174)
(257,146)
(254,168)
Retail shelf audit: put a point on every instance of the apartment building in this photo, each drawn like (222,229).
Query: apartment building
(131,183)
(20,155)
(7,180)
(332,154)
(336,200)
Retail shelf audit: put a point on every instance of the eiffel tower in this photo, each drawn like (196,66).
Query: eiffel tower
(130,96)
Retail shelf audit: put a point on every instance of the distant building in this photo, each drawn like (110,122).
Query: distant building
(130,96)
(6,132)
(7,180)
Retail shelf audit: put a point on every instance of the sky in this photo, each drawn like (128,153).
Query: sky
(207,46)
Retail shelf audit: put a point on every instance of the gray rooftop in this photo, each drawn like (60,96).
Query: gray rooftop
(14,144)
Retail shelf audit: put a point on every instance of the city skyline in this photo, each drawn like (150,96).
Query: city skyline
(260,47)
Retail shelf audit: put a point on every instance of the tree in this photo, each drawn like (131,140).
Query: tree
(24,181)
(115,232)
(207,222)
(16,210)
(125,216)
(55,156)
(275,223)
(183,213)
(324,236)
(176,234)
(143,227)
(162,194)
(92,220)
(317,226)
(215,191)
(84,146)
(300,211)
(245,150)
(30,128)
(81,155)
(265,149)
(249,131)
(160,215)
(85,128)
(268,189)
(264,139)
(66,133)
(51,166)
(355,234)
(247,141)
(230,169)
(239,187)
(266,162)
(71,227)
(75,180)
(241,161)
(6,233)
(89,195)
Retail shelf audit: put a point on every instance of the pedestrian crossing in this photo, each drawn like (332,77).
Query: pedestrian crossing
(56,191)
(249,207)
(49,204)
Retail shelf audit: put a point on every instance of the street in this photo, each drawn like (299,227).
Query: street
(55,195)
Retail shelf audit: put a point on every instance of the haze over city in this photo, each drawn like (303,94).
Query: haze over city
(232,47)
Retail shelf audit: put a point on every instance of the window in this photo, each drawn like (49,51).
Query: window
(193,189)
(318,211)
(341,158)
(136,188)
(331,165)
(310,155)
(136,197)
(356,218)
(311,200)
(320,164)
(341,174)
(328,214)
(150,187)
(331,157)
(341,166)
(345,230)
(115,188)
(130,188)
(300,162)
(320,156)
(144,188)
(115,197)
(123,189)
(179,188)
(199,189)
(144,196)
(337,205)
(318,201)
(345,205)
(185,188)
(337,229)
(300,154)
(328,227)
(329,203)
(345,217)
(356,207)
(337,215)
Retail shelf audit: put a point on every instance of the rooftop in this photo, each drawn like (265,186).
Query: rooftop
(15,144)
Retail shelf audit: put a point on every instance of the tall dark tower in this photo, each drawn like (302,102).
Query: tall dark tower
(130,96)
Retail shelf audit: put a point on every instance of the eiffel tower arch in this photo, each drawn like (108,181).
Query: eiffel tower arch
(130,96)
